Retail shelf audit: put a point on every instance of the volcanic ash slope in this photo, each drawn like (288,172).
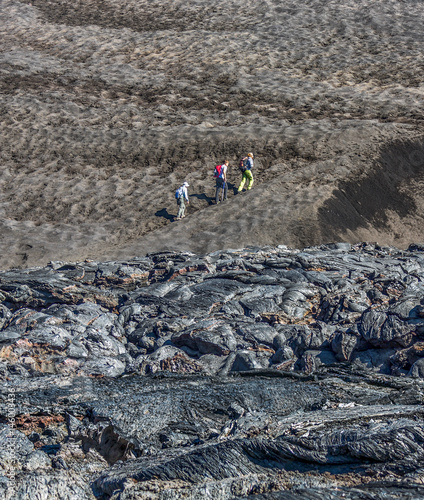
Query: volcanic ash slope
(108,107)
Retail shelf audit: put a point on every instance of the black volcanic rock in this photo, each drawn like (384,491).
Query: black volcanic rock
(62,322)
(256,371)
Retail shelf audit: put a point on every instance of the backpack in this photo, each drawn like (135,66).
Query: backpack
(178,193)
(243,165)
(218,171)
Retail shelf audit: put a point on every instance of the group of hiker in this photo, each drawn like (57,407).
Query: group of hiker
(221,187)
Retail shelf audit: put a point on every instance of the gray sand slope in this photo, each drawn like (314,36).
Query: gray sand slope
(107,107)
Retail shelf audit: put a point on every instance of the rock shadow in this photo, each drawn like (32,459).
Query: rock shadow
(366,200)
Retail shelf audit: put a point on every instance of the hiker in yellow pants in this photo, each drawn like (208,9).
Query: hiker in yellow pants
(247,173)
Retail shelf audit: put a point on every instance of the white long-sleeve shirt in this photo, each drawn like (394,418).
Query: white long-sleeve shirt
(183,192)
(223,171)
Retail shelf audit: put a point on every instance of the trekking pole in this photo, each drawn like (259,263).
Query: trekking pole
(223,191)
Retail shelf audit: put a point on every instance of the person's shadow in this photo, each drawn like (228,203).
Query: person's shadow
(164,213)
(203,196)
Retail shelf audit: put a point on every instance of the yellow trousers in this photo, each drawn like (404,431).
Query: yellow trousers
(247,176)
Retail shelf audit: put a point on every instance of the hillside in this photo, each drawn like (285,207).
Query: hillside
(108,106)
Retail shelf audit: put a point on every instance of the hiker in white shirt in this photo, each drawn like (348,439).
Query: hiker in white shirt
(182,196)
